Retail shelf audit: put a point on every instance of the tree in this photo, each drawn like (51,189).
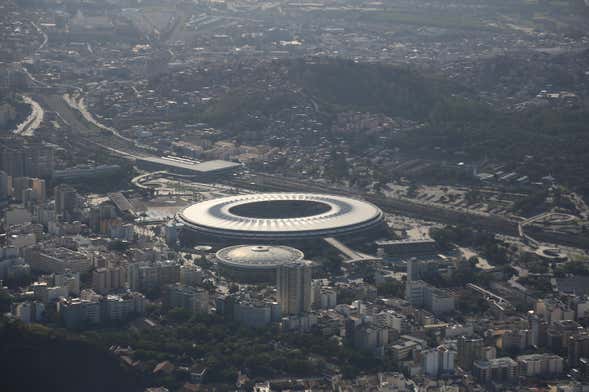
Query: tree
(179,315)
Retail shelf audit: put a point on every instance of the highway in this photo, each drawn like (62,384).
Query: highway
(33,121)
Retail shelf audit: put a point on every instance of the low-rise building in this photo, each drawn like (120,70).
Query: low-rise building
(193,299)
(502,369)
(540,365)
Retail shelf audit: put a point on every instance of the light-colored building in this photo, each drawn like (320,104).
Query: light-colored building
(390,319)
(254,313)
(190,274)
(77,312)
(294,287)
(403,350)
(46,293)
(29,311)
(39,190)
(151,275)
(502,369)
(69,280)
(58,260)
(105,280)
(193,299)
(299,323)
(553,310)
(438,361)
(540,364)
(121,307)
(92,308)
(17,216)
(421,294)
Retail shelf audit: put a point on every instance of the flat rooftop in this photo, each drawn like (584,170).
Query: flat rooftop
(187,164)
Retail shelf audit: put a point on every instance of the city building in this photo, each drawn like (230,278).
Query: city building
(5,190)
(201,171)
(469,350)
(69,280)
(252,312)
(11,263)
(193,299)
(92,309)
(421,294)
(58,260)
(85,171)
(438,361)
(151,275)
(122,307)
(29,311)
(578,348)
(105,280)
(299,323)
(294,287)
(190,274)
(543,365)
(499,370)
(76,312)
(371,338)
(66,200)
(558,334)
(408,247)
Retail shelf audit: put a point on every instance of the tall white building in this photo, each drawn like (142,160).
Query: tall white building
(294,287)
(439,360)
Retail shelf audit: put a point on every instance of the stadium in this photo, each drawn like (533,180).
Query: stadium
(255,264)
(296,219)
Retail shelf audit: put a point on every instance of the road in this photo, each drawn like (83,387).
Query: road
(78,103)
(33,121)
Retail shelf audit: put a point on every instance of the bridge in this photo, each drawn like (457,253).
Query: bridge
(351,255)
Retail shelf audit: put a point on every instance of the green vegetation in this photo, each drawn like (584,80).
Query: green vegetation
(397,91)
(403,17)
(573,267)
(225,348)
(391,288)
(61,362)
(453,118)
(490,248)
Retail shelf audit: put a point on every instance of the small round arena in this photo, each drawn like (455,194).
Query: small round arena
(255,263)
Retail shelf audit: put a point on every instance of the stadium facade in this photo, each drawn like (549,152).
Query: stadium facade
(296,219)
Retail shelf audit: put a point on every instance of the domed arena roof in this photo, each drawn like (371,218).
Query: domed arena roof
(260,256)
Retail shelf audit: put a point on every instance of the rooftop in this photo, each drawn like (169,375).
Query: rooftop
(260,255)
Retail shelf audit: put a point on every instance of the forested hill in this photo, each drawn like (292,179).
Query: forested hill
(455,117)
(38,359)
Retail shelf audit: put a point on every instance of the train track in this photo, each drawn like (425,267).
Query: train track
(263,182)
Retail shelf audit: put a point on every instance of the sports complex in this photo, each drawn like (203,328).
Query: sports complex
(286,218)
